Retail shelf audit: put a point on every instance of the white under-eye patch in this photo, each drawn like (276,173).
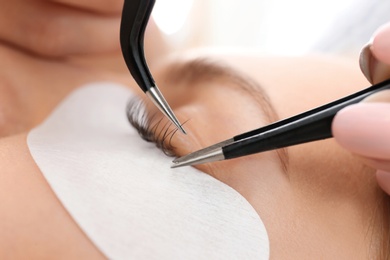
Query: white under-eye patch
(123,194)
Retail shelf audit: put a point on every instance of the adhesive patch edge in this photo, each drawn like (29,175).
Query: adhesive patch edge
(123,194)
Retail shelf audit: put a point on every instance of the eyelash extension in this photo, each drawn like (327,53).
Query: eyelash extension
(138,117)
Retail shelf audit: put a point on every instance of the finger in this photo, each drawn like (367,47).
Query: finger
(374,69)
(380,71)
(378,164)
(54,30)
(381,44)
(383,179)
(382,96)
(100,6)
(364,129)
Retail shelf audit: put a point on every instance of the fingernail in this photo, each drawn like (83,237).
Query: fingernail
(374,58)
(364,129)
(374,70)
(383,178)
(365,61)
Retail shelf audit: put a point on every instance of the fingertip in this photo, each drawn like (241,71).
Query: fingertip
(364,129)
(343,124)
(365,60)
(381,43)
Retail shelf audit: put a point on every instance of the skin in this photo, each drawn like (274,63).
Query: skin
(326,206)
(370,116)
(54,27)
(322,197)
(326,197)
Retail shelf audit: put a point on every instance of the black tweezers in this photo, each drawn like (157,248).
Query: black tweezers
(313,125)
(135,17)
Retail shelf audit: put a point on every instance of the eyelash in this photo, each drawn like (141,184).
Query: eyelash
(139,119)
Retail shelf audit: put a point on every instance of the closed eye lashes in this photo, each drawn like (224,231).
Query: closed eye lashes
(159,132)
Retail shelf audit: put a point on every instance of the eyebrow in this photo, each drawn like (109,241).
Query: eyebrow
(198,71)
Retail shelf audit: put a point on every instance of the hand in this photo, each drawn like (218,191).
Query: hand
(58,28)
(364,129)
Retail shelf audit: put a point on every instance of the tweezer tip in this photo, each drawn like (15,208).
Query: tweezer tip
(199,158)
(203,151)
(176,122)
(181,164)
(176,165)
(159,100)
(180,127)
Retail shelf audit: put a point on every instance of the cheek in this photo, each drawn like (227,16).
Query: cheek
(15,115)
(325,169)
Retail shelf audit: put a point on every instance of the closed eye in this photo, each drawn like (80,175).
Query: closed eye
(160,132)
(192,73)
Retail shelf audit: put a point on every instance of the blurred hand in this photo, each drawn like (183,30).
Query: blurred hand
(58,28)
(364,129)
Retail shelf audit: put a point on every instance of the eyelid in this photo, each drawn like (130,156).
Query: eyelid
(138,117)
(196,72)
(200,71)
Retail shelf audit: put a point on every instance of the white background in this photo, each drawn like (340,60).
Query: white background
(288,27)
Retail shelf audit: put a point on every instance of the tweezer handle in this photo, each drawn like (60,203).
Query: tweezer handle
(135,17)
(313,125)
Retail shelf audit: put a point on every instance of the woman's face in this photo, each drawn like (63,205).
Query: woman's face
(314,198)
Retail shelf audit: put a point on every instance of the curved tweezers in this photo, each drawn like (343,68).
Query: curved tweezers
(135,17)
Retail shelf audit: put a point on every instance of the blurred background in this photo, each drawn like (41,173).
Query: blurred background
(280,27)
